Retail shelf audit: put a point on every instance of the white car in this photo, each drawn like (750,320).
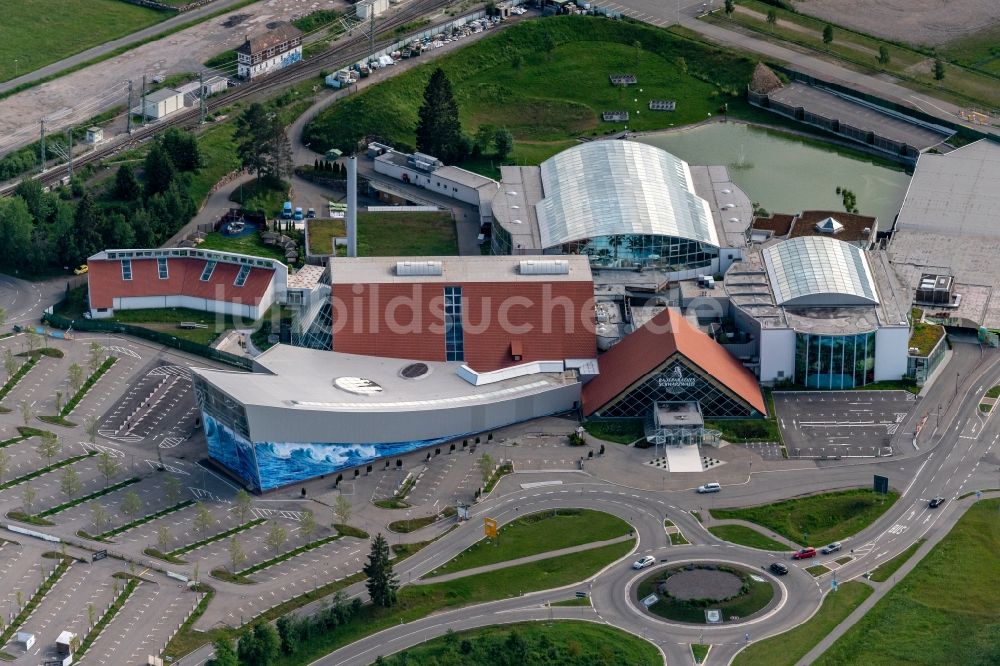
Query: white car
(644,562)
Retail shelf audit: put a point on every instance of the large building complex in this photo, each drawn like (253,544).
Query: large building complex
(622,204)
(305,412)
(821,313)
(487,312)
(219,282)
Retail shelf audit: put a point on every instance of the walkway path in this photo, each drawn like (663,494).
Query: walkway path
(522,560)
(708,522)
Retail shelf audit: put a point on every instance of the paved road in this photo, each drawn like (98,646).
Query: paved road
(24,301)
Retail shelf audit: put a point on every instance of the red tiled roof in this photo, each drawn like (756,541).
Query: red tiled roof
(105,281)
(644,350)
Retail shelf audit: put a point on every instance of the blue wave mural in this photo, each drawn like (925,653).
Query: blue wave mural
(269,465)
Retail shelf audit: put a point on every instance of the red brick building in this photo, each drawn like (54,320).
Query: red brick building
(488,312)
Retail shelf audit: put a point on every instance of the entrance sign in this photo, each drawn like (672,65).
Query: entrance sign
(676,380)
(490,527)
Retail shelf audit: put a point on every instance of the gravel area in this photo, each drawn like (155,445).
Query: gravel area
(922,22)
(703,584)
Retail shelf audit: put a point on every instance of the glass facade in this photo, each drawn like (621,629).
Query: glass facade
(803,268)
(454,338)
(834,361)
(634,250)
(675,381)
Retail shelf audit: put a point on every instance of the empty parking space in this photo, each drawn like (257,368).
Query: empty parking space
(158,406)
(841,423)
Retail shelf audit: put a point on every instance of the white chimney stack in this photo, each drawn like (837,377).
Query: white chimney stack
(352,206)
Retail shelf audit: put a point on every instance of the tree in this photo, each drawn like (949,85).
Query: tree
(16,227)
(263,145)
(203,519)
(126,186)
(938,69)
(883,55)
(172,486)
(730,7)
(276,537)
(59,397)
(86,222)
(49,448)
(772,18)
(31,339)
(828,34)
(27,412)
(28,496)
(224,654)
(160,170)
(91,428)
(108,467)
(163,538)
(342,509)
(307,526)
(69,482)
(75,376)
(485,467)
(259,647)
(637,47)
(10,364)
(131,505)
(95,356)
(236,554)
(503,140)
(4,461)
(182,148)
(484,137)
(288,632)
(244,502)
(439,131)
(381,583)
(99,517)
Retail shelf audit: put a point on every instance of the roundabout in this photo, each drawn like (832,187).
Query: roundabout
(705,593)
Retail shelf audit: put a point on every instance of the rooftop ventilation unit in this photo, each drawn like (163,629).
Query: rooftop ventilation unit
(412,268)
(545,267)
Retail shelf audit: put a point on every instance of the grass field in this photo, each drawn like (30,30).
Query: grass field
(538,533)
(563,642)
(943,612)
(417,601)
(886,569)
(824,518)
(322,233)
(166,320)
(745,536)
(979,51)
(250,244)
(406,234)
(754,599)
(624,431)
(547,81)
(786,649)
(39,32)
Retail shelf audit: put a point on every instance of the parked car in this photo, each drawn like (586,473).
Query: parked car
(778,569)
(643,562)
(710,488)
(80,270)
(311,212)
(830,548)
(936,502)
(298,213)
(804,554)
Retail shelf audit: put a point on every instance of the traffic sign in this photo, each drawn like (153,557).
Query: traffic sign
(834,584)
(882,484)
(490,527)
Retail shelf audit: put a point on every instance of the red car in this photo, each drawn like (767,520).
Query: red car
(804,554)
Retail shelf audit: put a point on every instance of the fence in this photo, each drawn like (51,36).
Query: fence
(96,326)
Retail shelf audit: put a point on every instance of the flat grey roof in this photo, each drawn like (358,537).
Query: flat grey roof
(856,114)
(514,207)
(467,178)
(297,377)
(732,210)
(382,270)
(161,95)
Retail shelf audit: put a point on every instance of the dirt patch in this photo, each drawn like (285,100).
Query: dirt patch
(919,22)
(703,584)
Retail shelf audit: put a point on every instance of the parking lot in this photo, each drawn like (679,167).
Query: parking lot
(841,423)
(159,406)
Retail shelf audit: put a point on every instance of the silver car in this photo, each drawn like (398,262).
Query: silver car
(830,548)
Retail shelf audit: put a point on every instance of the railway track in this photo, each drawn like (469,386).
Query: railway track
(344,53)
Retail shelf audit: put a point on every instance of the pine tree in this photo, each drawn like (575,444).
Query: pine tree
(160,171)
(126,186)
(439,132)
(381,583)
(224,654)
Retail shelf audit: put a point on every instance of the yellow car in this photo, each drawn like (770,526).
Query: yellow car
(81,270)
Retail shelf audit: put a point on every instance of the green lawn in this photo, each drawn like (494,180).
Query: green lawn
(886,569)
(745,536)
(625,431)
(788,648)
(746,430)
(165,320)
(826,517)
(993,392)
(417,601)
(406,234)
(322,233)
(563,642)
(979,51)
(547,81)
(925,336)
(538,533)
(250,244)
(942,612)
(39,32)
(267,197)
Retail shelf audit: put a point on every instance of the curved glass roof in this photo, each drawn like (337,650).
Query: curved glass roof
(610,188)
(815,270)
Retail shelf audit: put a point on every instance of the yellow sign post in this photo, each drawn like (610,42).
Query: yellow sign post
(490,527)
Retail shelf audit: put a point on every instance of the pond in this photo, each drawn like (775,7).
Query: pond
(785,174)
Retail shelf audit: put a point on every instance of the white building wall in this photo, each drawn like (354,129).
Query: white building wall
(280,61)
(777,354)
(891,348)
(431,182)
(244,310)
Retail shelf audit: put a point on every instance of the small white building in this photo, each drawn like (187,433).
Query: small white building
(213,85)
(274,50)
(366,8)
(160,104)
(95,135)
